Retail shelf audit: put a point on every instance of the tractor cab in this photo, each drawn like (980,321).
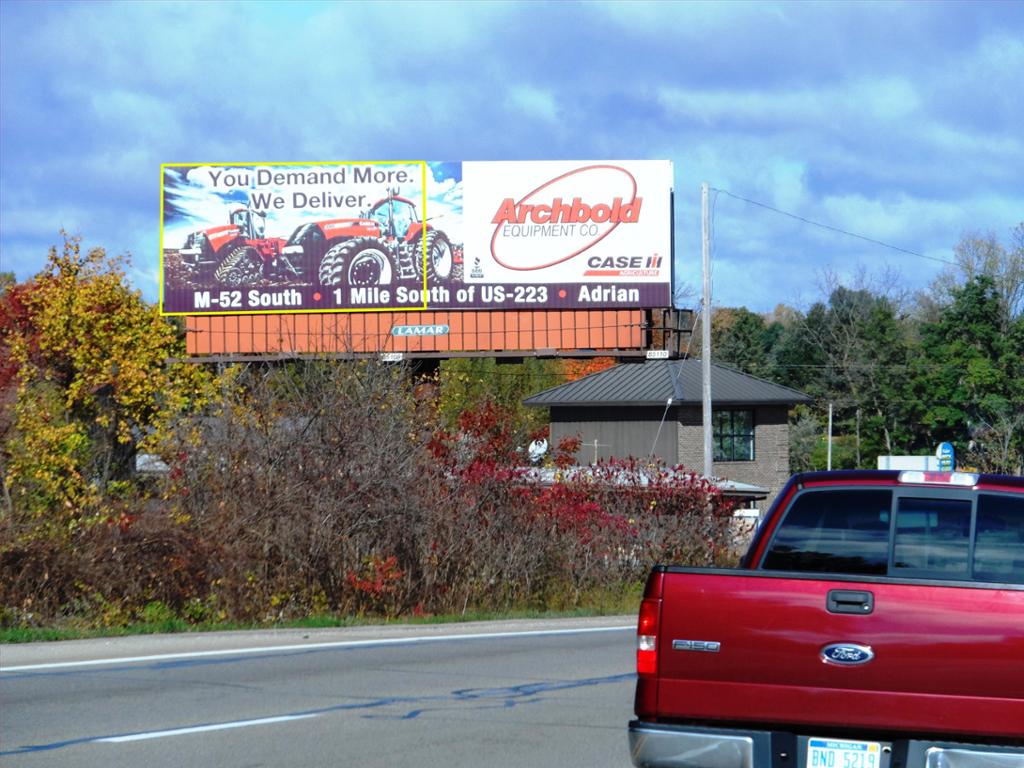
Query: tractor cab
(394,215)
(252,224)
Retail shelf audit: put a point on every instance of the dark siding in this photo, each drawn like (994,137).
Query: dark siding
(619,433)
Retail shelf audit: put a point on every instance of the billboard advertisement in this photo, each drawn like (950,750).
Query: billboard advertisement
(387,236)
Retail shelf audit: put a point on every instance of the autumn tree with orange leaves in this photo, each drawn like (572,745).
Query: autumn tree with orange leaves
(573,369)
(83,363)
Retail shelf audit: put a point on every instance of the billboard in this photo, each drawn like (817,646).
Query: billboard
(415,236)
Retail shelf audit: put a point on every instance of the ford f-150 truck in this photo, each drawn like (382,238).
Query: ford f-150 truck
(877,621)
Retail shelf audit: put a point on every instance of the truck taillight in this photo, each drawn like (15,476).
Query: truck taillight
(647,637)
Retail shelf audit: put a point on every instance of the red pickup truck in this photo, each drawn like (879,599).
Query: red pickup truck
(877,621)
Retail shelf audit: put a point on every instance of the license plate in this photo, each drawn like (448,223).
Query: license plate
(837,753)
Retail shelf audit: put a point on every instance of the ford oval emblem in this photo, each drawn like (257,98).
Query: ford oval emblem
(847,654)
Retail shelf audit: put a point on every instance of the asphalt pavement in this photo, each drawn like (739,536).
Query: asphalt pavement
(519,693)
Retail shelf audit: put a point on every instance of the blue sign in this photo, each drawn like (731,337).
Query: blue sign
(946,457)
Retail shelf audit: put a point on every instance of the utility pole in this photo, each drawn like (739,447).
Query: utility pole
(705,346)
(829,464)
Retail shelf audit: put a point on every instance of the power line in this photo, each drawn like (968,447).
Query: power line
(835,229)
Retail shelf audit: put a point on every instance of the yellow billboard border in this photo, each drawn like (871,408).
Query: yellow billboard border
(423,240)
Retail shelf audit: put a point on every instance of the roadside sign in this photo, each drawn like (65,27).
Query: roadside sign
(946,457)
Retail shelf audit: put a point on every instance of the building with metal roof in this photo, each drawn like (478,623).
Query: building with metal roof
(655,409)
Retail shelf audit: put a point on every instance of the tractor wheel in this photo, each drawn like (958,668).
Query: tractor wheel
(241,267)
(440,263)
(362,261)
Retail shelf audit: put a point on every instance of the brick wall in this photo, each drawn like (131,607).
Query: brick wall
(770,468)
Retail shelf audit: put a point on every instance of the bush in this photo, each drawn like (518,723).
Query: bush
(103,574)
(324,487)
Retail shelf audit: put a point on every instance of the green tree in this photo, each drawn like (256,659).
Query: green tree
(863,346)
(89,358)
(890,415)
(972,382)
(469,383)
(806,434)
(741,338)
(978,255)
(796,359)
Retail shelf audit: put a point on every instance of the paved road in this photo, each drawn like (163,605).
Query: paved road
(510,694)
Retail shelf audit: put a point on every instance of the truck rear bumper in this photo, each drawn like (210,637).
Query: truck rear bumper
(654,745)
(967,756)
(657,745)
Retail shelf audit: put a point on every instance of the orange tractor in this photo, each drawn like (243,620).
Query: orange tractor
(238,253)
(382,245)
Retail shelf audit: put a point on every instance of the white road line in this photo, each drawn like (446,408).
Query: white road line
(199,729)
(311,647)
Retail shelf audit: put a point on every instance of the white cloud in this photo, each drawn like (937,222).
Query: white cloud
(533,103)
(881,100)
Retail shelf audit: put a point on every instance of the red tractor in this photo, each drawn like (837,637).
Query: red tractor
(382,245)
(238,253)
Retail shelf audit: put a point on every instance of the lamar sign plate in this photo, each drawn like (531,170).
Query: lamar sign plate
(419,330)
(327,237)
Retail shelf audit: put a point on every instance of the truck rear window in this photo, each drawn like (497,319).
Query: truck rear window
(834,531)
(933,535)
(999,542)
(847,531)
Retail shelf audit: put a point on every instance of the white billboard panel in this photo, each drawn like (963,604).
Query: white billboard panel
(569,222)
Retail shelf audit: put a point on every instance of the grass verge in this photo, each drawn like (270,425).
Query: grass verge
(605,602)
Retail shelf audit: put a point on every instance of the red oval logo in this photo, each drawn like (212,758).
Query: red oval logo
(564,217)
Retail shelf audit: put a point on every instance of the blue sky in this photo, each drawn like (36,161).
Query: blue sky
(903,122)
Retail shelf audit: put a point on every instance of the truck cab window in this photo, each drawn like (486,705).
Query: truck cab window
(999,542)
(834,532)
(933,535)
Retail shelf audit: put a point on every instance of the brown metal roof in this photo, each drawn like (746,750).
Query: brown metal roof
(654,382)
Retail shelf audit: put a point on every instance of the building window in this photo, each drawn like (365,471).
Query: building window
(734,435)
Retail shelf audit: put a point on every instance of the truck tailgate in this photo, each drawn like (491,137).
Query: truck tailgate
(773,629)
